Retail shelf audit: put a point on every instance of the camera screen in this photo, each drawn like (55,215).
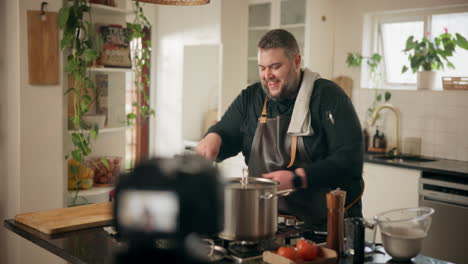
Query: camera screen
(149,211)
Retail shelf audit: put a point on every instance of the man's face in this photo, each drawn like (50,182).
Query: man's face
(278,74)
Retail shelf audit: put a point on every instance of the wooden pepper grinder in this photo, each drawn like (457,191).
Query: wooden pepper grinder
(335,225)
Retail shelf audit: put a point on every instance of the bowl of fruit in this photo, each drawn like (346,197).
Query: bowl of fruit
(106,169)
(80,175)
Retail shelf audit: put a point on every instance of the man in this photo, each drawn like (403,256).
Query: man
(296,128)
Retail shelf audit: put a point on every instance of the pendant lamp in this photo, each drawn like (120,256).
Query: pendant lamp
(176,2)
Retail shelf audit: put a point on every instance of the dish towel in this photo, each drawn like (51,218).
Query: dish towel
(300,124)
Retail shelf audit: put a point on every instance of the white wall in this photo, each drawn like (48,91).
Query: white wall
(31,147)
(9,127)
(436,117)
(176,27)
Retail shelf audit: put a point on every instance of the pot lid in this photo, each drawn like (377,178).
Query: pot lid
(252,183)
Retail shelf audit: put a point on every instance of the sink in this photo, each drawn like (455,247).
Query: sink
(403,158)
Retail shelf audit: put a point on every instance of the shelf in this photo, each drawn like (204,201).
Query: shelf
(105,130)
(107,69)
(109,10)
(92,192)
(91,196)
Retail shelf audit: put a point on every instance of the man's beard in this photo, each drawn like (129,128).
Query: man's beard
(288,91)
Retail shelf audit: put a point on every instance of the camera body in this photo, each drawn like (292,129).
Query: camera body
(169,199)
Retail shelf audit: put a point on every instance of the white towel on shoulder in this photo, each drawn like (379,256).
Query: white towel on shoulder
(300,124)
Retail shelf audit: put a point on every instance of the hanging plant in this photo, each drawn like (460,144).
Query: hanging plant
(355,60)
(76,41)
(141,57)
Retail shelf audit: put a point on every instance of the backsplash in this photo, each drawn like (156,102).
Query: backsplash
(439,118)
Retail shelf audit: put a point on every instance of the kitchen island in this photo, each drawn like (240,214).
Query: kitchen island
(95,245)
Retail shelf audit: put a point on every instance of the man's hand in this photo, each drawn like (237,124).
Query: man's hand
(209,146)
(284,177)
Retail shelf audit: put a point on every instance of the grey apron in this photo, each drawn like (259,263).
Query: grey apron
(271,151)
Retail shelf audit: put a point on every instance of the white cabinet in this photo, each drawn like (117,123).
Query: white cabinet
(269,14)
(387,188)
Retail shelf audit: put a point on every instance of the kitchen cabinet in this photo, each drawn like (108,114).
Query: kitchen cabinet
(113,85)
(265,15)
(388,188)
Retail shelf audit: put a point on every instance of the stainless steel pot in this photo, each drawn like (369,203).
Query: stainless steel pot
(250,208)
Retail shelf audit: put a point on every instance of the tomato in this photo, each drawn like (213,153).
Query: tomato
(288,252)
(307,250)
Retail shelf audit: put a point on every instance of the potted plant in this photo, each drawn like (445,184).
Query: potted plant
(426,56)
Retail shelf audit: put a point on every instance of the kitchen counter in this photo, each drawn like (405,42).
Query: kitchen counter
(439,166)
(94,245)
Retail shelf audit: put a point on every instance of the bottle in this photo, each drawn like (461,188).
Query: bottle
(365,136)
(383,141)
(376,139)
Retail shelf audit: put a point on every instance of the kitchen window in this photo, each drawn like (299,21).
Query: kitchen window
(391,30)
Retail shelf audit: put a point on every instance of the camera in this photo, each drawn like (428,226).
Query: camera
(164,206)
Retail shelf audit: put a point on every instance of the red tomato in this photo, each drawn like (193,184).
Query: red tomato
(288,252)
(307,250)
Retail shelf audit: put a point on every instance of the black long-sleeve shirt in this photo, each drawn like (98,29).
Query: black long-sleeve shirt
(335,148)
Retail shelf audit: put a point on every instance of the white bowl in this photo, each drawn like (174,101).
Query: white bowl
(92,120)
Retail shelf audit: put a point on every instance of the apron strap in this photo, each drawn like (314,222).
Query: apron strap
(357,199)
(293,151)
(263,117)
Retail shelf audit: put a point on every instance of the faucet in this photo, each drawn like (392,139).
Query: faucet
(396,149)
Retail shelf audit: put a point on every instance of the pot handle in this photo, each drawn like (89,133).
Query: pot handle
(284,192)
(268,195)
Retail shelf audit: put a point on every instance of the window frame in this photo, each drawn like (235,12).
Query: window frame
(372,41)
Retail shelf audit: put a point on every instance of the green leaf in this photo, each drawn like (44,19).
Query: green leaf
(104,162)
(378,97)
(76,139)
(387,96)
(409,43)
(89,55)
(131,116)
(404,69)
(461,41)
(450,65)
(66,40)
(77,155)
(62,16)
(354,59)
(74,170)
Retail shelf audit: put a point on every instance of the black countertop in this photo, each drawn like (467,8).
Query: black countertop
(438,166)
(95,245)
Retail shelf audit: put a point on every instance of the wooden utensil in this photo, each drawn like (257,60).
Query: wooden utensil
(68,219)
(335,225)
(43,50)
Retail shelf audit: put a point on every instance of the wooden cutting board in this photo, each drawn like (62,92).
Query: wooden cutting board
(43,49)
(68,219)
